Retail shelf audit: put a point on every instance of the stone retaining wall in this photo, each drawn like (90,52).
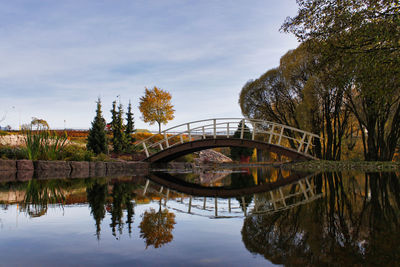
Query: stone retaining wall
(12,140)
(41,169)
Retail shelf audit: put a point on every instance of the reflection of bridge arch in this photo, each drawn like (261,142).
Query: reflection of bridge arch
(198,135)
(292,192)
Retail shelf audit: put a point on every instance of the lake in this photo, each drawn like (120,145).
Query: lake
(224,217)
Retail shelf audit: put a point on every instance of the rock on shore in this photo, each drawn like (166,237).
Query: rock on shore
(211,156)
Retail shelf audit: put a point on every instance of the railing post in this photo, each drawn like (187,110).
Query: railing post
(145,187)
(254,131)
(181,138)
(188,129)
(166,139)
(302,189)
(145,149)
(308,143)
(216,207)
(309,186)
(204,133)
(280,135)
(301,142)
(227,130)
(244,206)
(160,145)
(271,133)
(282,196)
(273,200)
(166,198)
(190,204)
(242,130)
(215,128)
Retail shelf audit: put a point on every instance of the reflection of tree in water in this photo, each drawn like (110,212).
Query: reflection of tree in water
(356,223)
(122,195)
(40,193)
(242,180)
(96,196)
(156,227)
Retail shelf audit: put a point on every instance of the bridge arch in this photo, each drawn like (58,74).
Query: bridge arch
(211,133)
(179,150)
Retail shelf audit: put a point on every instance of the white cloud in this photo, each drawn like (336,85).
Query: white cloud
(58,57)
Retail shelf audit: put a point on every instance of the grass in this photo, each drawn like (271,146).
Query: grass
(43,144)
(326,165)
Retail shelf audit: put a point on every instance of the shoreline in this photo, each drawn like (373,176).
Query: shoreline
(22,169)
(326,165)
(28,169)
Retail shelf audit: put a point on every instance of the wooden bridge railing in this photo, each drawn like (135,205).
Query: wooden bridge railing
(282,198)
(268,132)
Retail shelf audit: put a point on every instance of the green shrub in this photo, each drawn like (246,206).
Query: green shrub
(3,133)
(76,153)
(102,157)
(7,152)
(43,144)
(186,158)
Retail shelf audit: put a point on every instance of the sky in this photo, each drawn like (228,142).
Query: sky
(58,57)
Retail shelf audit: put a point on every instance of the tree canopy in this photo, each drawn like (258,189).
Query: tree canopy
(156,106)
(363,37)
(156,227)
(346,70)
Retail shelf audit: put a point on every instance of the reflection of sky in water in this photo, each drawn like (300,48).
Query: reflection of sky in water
(68,236)
(304,220)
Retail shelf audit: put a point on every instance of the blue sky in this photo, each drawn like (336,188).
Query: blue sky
(57,57)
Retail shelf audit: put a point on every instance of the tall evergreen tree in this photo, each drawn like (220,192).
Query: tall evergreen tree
(97,138)
(97,196)
(130,124)
(119,139)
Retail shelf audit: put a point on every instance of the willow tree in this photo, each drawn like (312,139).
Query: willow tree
(156,106)
(300,94)
(363,37)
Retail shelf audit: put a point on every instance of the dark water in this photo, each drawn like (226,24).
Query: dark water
(240,217)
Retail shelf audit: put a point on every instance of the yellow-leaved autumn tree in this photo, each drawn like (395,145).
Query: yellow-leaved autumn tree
(156,106)
(156,227)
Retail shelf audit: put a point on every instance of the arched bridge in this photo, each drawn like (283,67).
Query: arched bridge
(228,132)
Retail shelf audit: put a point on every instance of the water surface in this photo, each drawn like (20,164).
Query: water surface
(246,216)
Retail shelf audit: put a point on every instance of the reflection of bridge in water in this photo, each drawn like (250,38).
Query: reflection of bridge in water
(204,134)
(265,199)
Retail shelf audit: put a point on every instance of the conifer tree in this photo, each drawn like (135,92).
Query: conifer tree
(119,140)
(97,198)
(121,129)
(114,126)
(97,138)
(130,124)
